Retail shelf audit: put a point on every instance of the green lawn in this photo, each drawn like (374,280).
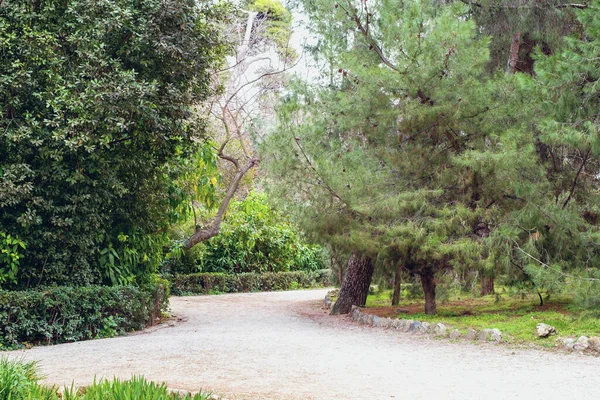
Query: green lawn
(516,317)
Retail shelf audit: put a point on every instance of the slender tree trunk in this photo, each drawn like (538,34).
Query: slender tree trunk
(511,66)
(397,285)
(200,234)
(428,283)
(355,286)
(487,285)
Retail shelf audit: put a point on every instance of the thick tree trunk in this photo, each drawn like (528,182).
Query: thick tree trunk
(397,285)
(428,283)
(355,286)
(487,285)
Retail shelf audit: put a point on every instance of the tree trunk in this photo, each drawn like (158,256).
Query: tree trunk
(397,285)
(487,285)
(428,283)
(355,286)
(513,58)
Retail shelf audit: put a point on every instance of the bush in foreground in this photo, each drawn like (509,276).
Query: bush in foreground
(69,314)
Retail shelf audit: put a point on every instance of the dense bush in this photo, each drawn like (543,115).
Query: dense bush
(205,283)
(254,238)
(97,103)
(68,314)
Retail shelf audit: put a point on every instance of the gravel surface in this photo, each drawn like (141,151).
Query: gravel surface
(283,346)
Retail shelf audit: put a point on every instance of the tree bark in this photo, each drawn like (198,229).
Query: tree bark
(513,58)
(397,285)
(428,283)
(215,227)
(355,286)
(487,285)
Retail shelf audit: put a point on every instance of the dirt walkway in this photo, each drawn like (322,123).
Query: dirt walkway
(281,346)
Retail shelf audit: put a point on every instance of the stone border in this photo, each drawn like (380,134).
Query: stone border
(582,344)
(419,327)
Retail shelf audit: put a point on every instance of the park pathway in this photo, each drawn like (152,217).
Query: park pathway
(282,346)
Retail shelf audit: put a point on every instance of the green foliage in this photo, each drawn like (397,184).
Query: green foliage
(368,163)
(10,255)
(254,238)
(67,314)
(19,381)
(278,21)
(97,102)
(137,388)
(210,283)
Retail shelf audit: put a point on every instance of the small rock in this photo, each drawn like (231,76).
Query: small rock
(484,335)
(569,343)
(395,324)
(545,330)
(440,329)
(369,319)
(582,343)
(594,342)
(375,320)
(388,323)
(496,336)
(455,334)
(414,326)
(423,328)
(471,334)
(407,324)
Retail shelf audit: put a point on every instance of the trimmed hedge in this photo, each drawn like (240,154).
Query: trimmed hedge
(68,314)
(205,283)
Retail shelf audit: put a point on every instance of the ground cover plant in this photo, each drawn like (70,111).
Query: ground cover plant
(19,380)
(516,315)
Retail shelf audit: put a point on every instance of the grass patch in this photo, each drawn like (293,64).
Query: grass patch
(516,316)
(20,381)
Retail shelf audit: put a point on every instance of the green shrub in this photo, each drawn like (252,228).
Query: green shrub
(206,283)
(253,238)
(68,314)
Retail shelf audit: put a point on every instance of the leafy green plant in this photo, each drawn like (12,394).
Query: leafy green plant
(68,314)
(254,238)
(137,388)
(94,121)
(10,257)
(19,381)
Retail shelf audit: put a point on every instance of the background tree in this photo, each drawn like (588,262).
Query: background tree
(255,68)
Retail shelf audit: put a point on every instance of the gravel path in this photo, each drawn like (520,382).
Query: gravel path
(282,346)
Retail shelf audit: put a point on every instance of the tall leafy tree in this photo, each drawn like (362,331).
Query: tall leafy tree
(96,101)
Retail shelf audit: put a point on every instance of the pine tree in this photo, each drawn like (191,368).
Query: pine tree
(373,165)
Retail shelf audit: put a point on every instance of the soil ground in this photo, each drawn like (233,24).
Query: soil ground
(284,346)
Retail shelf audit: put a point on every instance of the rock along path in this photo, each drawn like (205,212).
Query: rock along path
(282,346)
